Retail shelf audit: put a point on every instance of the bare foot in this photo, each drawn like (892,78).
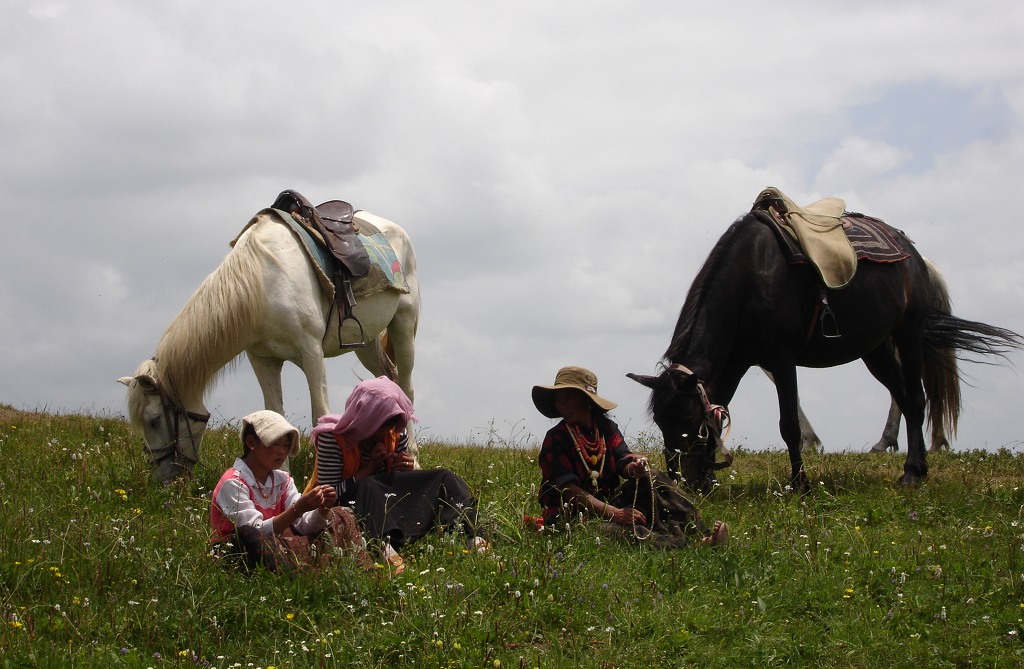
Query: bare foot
(395,563)
(719,534)
(478,545)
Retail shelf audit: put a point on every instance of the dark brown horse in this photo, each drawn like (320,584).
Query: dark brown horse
(750,306)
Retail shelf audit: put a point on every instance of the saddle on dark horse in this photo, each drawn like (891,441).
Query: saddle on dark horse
(332,223)
(834,240)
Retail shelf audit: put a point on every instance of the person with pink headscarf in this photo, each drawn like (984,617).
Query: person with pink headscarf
(363,455)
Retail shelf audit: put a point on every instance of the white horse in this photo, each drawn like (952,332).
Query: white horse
(267,300)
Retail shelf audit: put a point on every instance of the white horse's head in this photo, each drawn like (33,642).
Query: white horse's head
(173,433)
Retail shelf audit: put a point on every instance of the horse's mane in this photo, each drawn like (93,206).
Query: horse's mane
(698,290)
(215,323)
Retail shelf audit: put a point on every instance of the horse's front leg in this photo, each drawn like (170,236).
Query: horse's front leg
(810,442)
(789,424)
(268,373)
(312,365)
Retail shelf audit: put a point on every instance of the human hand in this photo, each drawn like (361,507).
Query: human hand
(628,516)
(372,460)
(402,461)
(637,468)
(329,496)
(308,501)
(320,497)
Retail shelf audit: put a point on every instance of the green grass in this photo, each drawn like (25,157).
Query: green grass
(99,566)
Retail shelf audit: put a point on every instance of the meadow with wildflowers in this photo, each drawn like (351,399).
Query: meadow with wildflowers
(100,566)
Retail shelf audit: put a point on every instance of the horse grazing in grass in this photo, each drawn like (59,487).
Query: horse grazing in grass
(748,305)
(267,299)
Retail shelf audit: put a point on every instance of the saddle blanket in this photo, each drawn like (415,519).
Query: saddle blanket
(872,240)
(385,268)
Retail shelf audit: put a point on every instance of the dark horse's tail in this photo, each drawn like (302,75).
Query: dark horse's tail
(939,372)
(947,338)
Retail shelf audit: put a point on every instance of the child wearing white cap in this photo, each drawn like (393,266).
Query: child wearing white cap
(257,512)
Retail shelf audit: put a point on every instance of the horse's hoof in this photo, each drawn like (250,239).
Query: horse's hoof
(911,480)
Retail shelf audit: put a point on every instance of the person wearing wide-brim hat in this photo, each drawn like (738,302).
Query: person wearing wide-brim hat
(584,457)
(578,378)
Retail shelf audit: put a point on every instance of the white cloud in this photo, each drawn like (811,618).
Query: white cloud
(857,160)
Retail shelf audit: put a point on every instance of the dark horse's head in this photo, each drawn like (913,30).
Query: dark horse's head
(690,424)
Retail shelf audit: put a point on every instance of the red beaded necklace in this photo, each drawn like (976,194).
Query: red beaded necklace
(265,494)
(591,451)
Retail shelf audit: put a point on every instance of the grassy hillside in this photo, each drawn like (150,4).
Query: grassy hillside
(101,567)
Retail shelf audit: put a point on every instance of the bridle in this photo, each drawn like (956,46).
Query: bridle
(716,416)
(716,419)
(173,412)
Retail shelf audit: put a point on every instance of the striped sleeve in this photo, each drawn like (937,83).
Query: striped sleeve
(329,462)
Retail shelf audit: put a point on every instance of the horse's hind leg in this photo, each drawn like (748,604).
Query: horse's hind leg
(916,466)
(939,440)
(902,377)
(401,339)
(810,442)
(891,431)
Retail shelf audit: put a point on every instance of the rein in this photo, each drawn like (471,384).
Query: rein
(173,412)
(636,495)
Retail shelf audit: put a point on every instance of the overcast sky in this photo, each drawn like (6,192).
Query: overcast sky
(563,169)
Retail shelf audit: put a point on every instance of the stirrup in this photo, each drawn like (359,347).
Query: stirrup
(346,313)
(829,325)
(362,333)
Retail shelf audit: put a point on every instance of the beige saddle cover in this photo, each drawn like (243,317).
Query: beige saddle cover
(818,228)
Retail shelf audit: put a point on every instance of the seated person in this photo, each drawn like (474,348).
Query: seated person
(584,456)
(362,454)
(257,513)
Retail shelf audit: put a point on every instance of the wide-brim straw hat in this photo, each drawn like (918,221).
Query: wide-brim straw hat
(270,426)
(570,377)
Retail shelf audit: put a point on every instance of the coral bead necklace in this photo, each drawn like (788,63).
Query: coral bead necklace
(591,451)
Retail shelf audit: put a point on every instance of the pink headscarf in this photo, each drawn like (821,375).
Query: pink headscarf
(372,403)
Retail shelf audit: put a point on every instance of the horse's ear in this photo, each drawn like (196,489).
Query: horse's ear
(147,382)
(126,380)
(644,380)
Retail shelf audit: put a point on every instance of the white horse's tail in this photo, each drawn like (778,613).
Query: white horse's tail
(385,353)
